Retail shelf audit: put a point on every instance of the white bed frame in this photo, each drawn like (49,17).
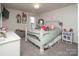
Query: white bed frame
(38,43)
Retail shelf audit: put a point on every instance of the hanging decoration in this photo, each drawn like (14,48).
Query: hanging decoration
(24,17)
(18,18)
(21,18)
(41,21)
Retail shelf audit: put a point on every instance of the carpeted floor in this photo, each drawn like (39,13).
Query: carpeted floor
(61,49)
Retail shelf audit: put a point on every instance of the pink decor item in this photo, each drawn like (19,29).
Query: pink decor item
(5,29)
(52,26)
(43,28)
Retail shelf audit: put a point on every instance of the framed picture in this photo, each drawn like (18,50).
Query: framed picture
(21,18)
(24,18)
(18,18)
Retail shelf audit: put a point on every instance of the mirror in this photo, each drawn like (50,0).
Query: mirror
(0,17)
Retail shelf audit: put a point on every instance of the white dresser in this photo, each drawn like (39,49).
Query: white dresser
(10,46)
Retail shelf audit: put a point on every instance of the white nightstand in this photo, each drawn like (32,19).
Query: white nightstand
(67,36)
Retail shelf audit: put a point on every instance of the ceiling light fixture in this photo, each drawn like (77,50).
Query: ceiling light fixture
(36,6)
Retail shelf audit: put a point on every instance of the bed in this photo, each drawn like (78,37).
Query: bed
(44,39)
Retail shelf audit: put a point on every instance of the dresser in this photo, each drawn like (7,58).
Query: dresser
(10,46)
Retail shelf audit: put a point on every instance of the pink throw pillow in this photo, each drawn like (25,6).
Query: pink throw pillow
(52,26)
(43,28)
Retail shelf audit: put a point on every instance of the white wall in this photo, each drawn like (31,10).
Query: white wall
(68,15)
(12,21)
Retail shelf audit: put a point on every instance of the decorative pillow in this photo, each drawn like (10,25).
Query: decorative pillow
(51,27)
(43,28)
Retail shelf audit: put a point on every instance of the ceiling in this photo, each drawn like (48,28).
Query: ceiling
(44,7)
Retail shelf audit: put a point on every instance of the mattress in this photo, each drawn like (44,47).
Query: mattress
(47,35)
(50,36)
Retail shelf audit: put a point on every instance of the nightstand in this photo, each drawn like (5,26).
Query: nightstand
(67,36)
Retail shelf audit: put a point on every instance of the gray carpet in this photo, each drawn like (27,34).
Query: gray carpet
(61,49)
